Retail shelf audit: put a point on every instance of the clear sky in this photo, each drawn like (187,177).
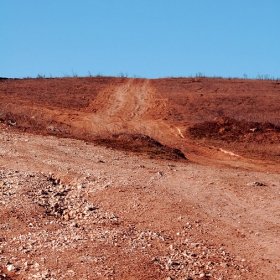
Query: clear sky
(145,38)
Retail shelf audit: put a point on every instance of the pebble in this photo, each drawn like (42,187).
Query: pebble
(181,258)
(224,265)
(11,267)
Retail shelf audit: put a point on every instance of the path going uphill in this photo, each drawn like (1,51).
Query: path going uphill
(201,117)
(89,173)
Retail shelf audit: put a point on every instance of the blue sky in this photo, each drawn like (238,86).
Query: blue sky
(145,38)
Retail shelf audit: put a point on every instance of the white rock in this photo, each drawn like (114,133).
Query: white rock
(11,267)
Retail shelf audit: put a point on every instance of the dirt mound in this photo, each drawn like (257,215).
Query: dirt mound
(141,144)
(136,143)
(231,130)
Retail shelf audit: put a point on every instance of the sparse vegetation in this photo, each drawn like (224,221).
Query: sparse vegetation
(199,75)
(74,74)
(264,77)
(123,75)
(99,74)
(65,75)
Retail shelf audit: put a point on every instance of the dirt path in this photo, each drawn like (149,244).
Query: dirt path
(90,108)
(70,209)
(224,217)
(130,101)
(122,109)
(135,108)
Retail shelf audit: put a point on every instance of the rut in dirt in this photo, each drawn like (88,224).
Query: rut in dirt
(128,125)
(130,101)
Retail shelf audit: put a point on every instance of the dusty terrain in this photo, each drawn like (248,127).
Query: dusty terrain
(117,178)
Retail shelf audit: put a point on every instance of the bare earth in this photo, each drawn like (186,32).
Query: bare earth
(116,178)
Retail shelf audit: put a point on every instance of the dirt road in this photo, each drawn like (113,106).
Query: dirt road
(72,209)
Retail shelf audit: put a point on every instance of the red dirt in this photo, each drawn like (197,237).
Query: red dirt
(149,179)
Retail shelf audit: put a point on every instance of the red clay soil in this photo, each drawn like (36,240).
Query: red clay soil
(117,178)
(171,111)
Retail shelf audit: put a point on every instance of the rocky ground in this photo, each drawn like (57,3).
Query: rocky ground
(72,210)
(124,206)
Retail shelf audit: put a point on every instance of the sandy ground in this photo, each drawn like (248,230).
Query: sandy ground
(72,209)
